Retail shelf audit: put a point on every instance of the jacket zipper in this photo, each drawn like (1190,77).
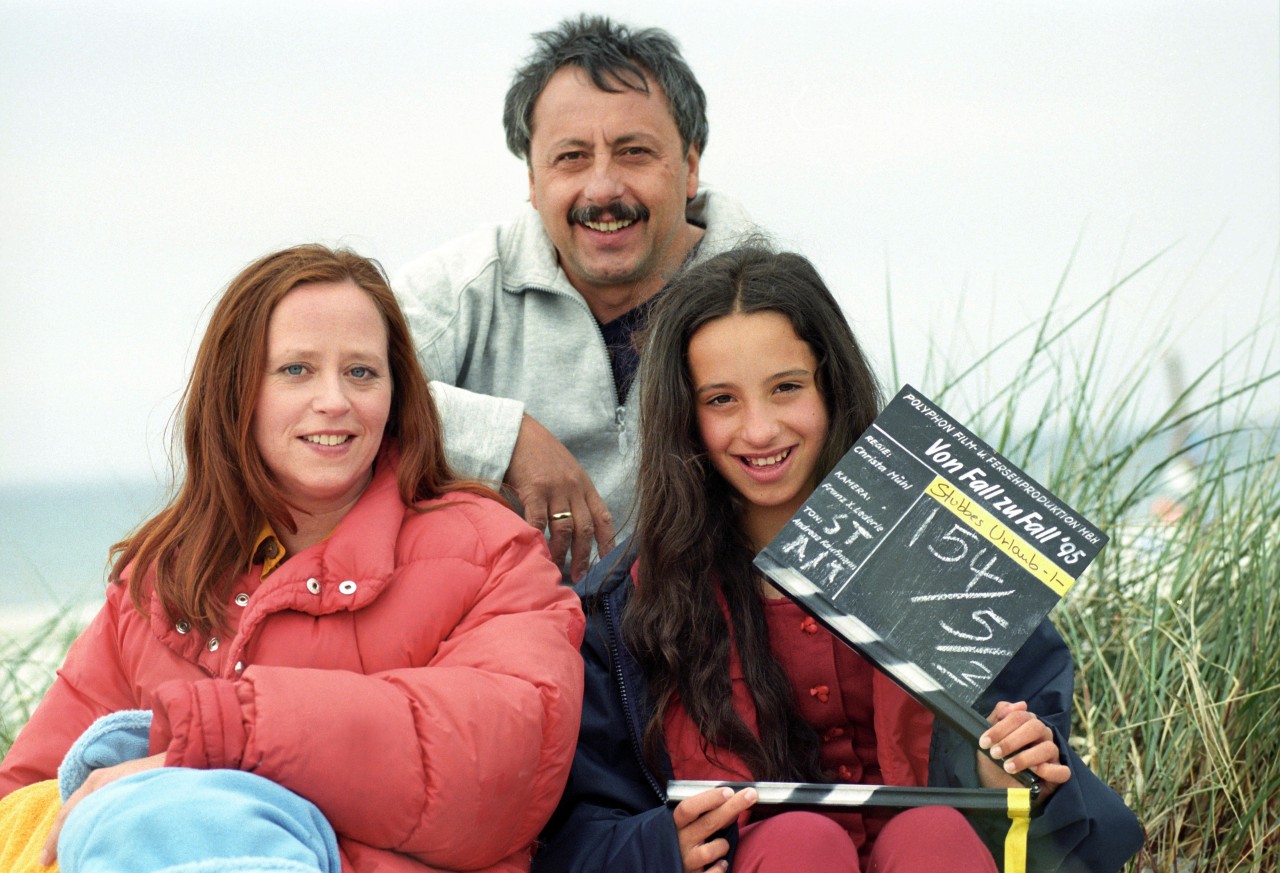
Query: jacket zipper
(614,653)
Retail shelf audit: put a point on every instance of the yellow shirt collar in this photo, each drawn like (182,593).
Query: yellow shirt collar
(267,550)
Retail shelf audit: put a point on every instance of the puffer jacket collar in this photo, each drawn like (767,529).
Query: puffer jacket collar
(345,572)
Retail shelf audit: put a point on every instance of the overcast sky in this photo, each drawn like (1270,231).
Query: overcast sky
(957,151)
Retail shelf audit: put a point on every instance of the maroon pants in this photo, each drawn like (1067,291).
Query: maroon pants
(930,839)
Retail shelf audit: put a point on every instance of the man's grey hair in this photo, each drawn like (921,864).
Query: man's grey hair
(616,58)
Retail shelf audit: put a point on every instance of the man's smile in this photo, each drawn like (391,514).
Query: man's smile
(607,226)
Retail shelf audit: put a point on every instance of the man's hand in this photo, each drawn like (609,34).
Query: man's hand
(553,488)
(700,818)
(97,779)
(1023,742)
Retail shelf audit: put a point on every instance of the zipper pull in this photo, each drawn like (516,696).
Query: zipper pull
(620,422)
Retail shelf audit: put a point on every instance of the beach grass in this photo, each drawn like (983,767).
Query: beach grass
(29,655)
(1174,628)
(1178,695)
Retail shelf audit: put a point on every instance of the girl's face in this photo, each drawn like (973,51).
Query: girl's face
(760,414)
(326,394)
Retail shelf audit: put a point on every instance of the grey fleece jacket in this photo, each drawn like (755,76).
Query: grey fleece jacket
(493,313)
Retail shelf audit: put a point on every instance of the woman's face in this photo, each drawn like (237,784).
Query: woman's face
(325,395)
(760,414)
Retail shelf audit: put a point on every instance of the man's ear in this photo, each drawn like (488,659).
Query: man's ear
(691,162)
(533,193)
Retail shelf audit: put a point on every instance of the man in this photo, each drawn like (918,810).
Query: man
(534,318)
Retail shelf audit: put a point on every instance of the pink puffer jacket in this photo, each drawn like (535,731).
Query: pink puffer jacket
(416,676)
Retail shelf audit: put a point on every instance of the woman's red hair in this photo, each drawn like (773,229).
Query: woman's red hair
(191,551)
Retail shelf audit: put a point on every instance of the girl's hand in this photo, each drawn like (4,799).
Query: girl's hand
(700,817)
(97,779)
(1023,742)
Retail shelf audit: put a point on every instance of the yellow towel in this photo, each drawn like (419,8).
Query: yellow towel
(25,818)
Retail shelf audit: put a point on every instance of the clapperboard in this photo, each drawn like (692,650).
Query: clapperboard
(935,557)
(931,554)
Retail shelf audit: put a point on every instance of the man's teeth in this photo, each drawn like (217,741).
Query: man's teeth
(770,460)
(608,226)
(327,439)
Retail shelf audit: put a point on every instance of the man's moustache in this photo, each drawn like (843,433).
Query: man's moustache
(616,211)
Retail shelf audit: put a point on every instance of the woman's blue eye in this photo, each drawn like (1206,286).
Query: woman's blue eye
(293,370)
(360,372)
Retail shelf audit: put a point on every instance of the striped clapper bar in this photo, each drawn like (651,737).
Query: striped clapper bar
(1015,802)
(880,652)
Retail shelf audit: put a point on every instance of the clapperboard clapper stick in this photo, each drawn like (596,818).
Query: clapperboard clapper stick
(1015,802)
(820,796)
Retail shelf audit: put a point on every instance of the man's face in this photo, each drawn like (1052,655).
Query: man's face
(610,179)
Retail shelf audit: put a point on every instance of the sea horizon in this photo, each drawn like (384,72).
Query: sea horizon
(55,540)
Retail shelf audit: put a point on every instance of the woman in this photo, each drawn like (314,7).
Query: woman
(753,387)
(325,634)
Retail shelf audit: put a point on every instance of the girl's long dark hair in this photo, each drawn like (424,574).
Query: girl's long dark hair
(687,533)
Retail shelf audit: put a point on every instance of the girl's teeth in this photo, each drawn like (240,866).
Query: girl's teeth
(769,461)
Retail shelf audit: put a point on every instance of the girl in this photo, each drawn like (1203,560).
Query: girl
(326,652)
(753,386)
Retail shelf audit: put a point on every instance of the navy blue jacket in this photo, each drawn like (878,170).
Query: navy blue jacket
(613,816)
